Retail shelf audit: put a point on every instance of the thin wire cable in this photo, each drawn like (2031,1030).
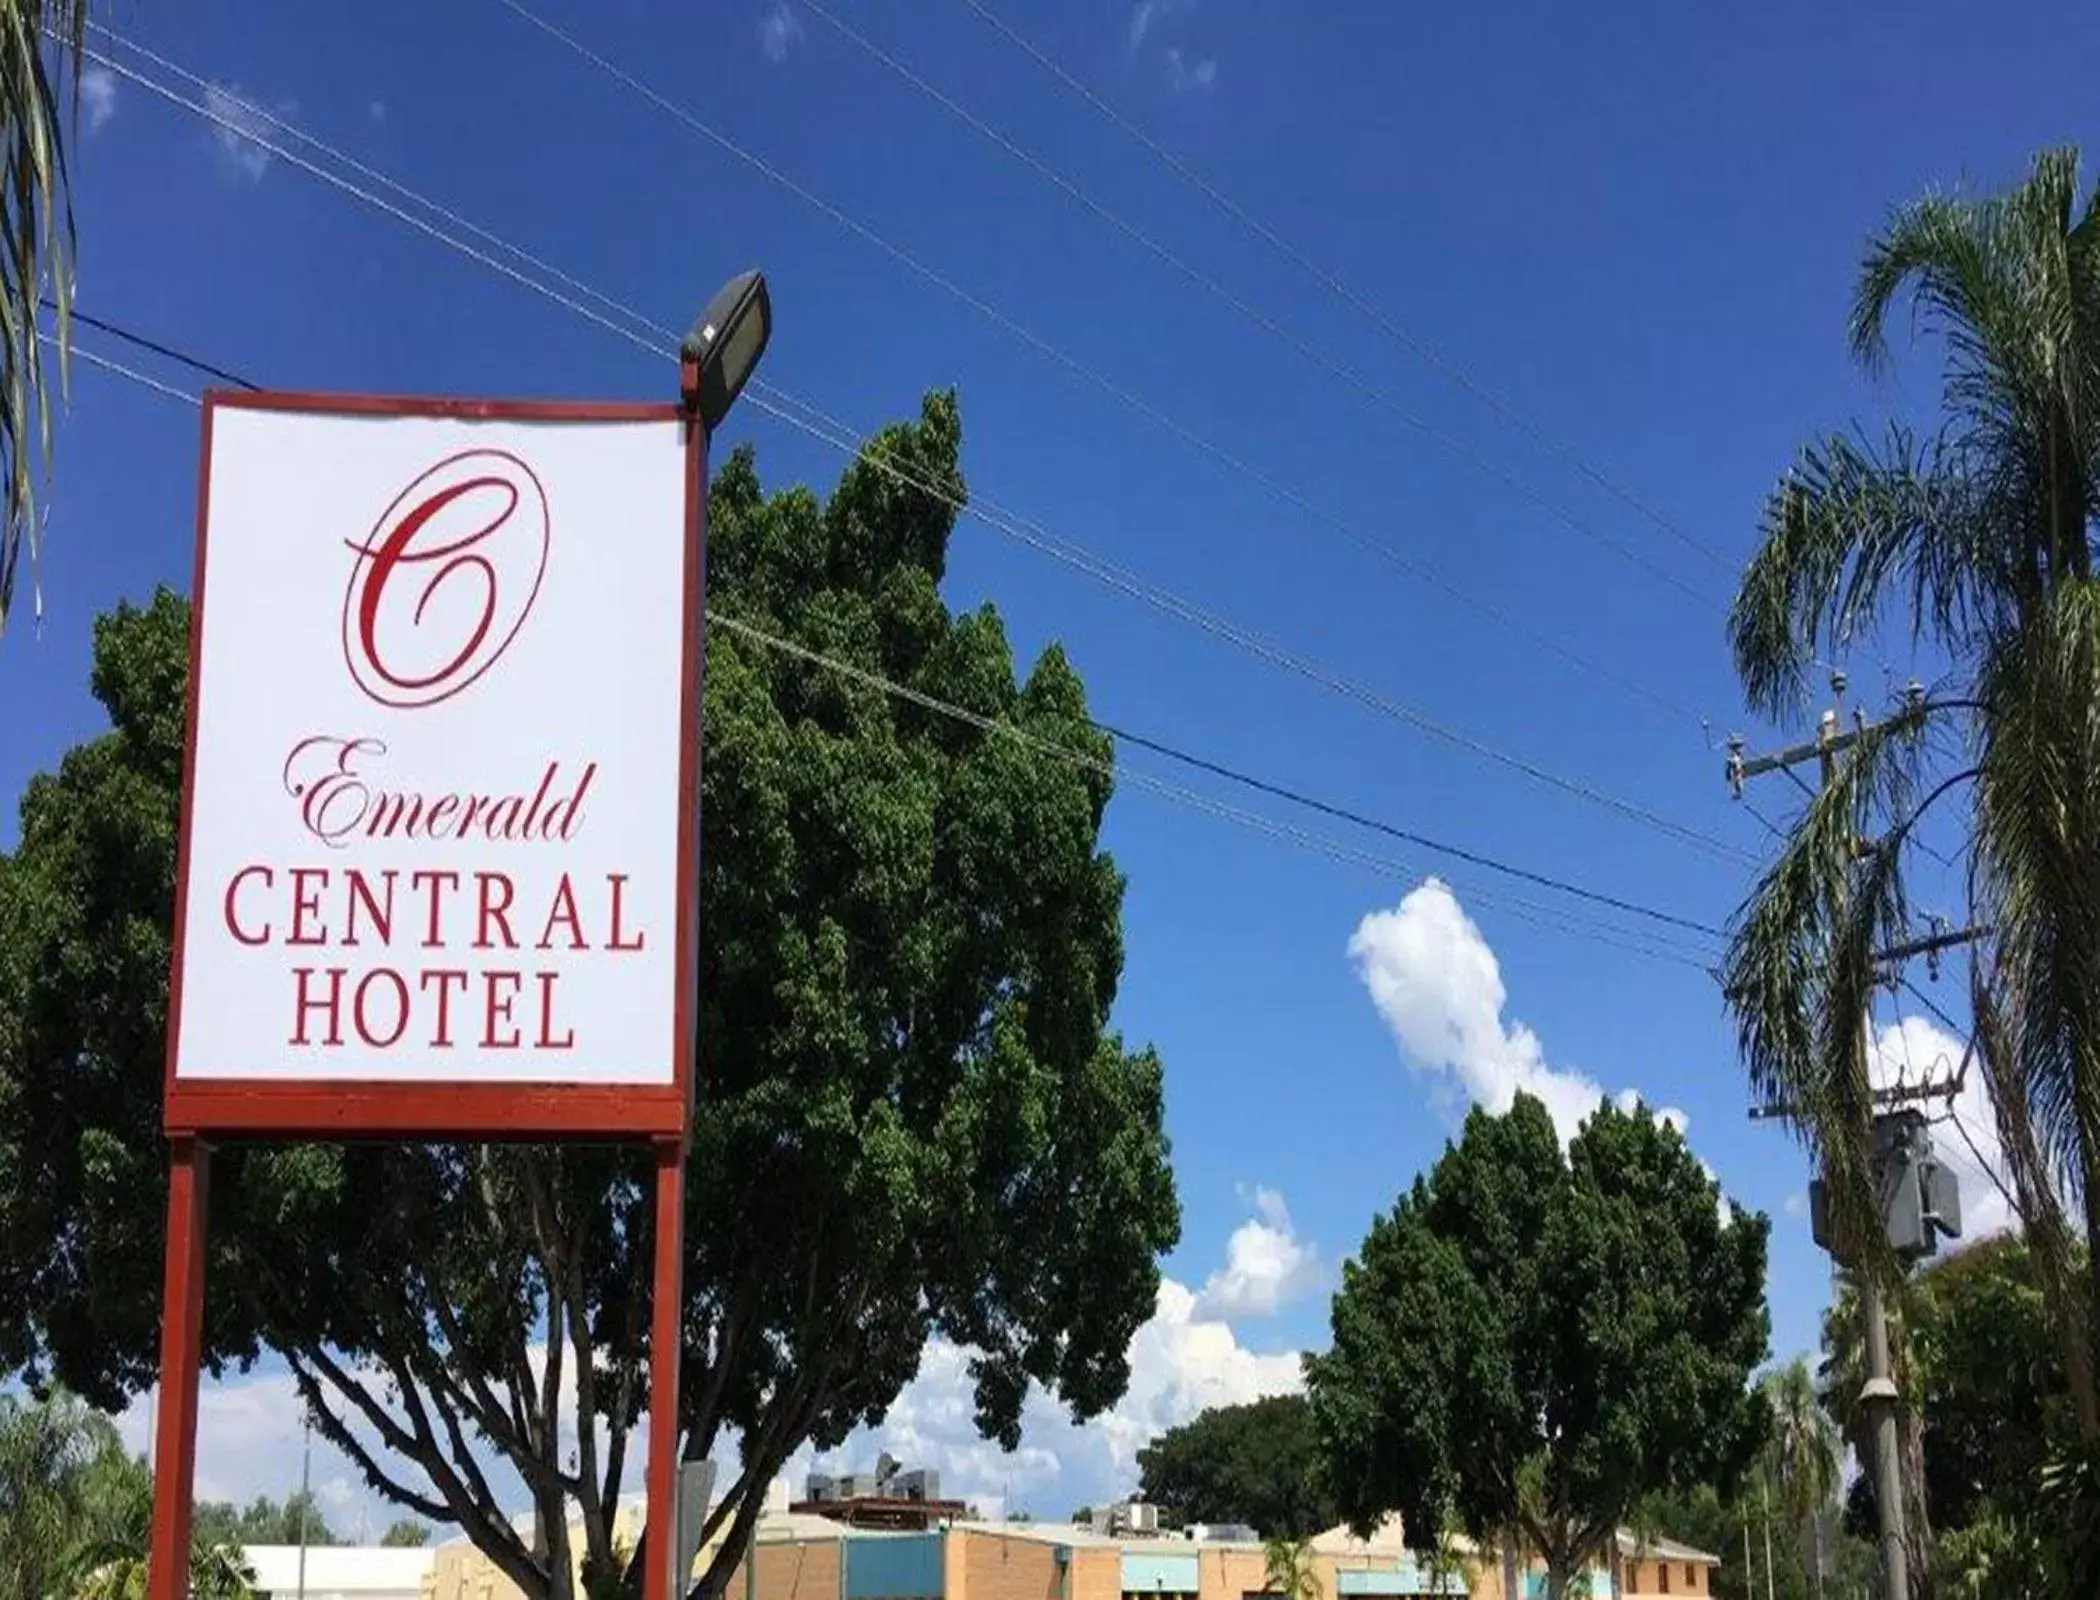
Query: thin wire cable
(1011,525)
(659,334)
(837,434)
(1247,310)
(1550,916)
(118,369)
(1333,282)
(1554,918)
(1063,358)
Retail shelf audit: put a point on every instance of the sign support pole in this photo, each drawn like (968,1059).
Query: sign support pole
(181,1333)
(666,1331)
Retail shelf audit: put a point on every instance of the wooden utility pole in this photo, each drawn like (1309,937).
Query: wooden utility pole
(1878,1395)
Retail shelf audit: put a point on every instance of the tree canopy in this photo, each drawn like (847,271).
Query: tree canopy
(1256,1463)
(1534,1340)
(913,1117)
(75,1509)
(1983,1406)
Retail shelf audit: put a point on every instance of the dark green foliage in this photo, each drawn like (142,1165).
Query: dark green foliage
(263,1521)
(1256,1463)
(1534,1341)
(913,1118)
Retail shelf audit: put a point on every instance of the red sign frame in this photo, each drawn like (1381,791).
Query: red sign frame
(195,1112)
(344,1108)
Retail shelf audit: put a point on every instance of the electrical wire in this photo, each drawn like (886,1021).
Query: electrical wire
(784,407)
(1339,371)
(118,369)
(1119,392)
(1553,918)
(1333,282)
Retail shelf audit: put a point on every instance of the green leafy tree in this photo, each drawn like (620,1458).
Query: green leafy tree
(36,238)
(45,1451)
(407,1534)
(1804,1459)
(1982,1395)
(1534,1340)
(76,1511)
(1287,1569)
(1976,537)
(1257,1463)
(914,1119)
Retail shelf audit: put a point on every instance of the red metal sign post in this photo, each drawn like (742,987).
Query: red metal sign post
(438,871)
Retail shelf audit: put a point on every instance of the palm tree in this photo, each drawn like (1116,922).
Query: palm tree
(36,236)
(1805,1460)
(44,1452)
(1976,537)
(1287,1569)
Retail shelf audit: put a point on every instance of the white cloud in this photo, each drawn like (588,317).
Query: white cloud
(1911,1051)
(1266,1265)
(1147,12)
(1439,988)
(98,92)
(235,127)
(249,1441)
(779,31)
(1183,1361)
(1185,76)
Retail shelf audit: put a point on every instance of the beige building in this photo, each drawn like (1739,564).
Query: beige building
(799,1555)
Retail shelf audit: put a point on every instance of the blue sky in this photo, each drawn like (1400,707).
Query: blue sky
(1634,226)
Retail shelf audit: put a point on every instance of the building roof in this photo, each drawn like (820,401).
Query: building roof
(338,1569)
(1654,1546)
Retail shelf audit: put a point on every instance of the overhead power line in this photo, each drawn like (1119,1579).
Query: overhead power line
(1240,306)
(640,331)
(1224,457)
(1553,917)
(1333,282)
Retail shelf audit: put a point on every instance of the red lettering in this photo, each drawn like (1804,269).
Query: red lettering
(494,910)
(569,812)
(395,813)
(475,803)
(563,911)
(441,1037)
(362,1023)
(233,888)
(497,1009)
(440,808)
(546,1040)
(307,884)
(433,936)
(381,917)
(304,1005)
(618,880)
(321,774)
(502,819)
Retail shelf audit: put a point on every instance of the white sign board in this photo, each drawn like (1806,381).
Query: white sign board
(439,808)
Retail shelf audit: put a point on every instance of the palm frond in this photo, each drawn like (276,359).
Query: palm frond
(2037,872)
(1848,517)
(36,247)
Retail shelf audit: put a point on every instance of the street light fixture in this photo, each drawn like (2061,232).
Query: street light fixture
(724,347)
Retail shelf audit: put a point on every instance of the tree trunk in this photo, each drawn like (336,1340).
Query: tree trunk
(1812,1553)
(1510,1587)
(1765,1503)
(1917,1518)
(1556,1578)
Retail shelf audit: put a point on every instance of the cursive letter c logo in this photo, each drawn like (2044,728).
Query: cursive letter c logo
(445,578)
